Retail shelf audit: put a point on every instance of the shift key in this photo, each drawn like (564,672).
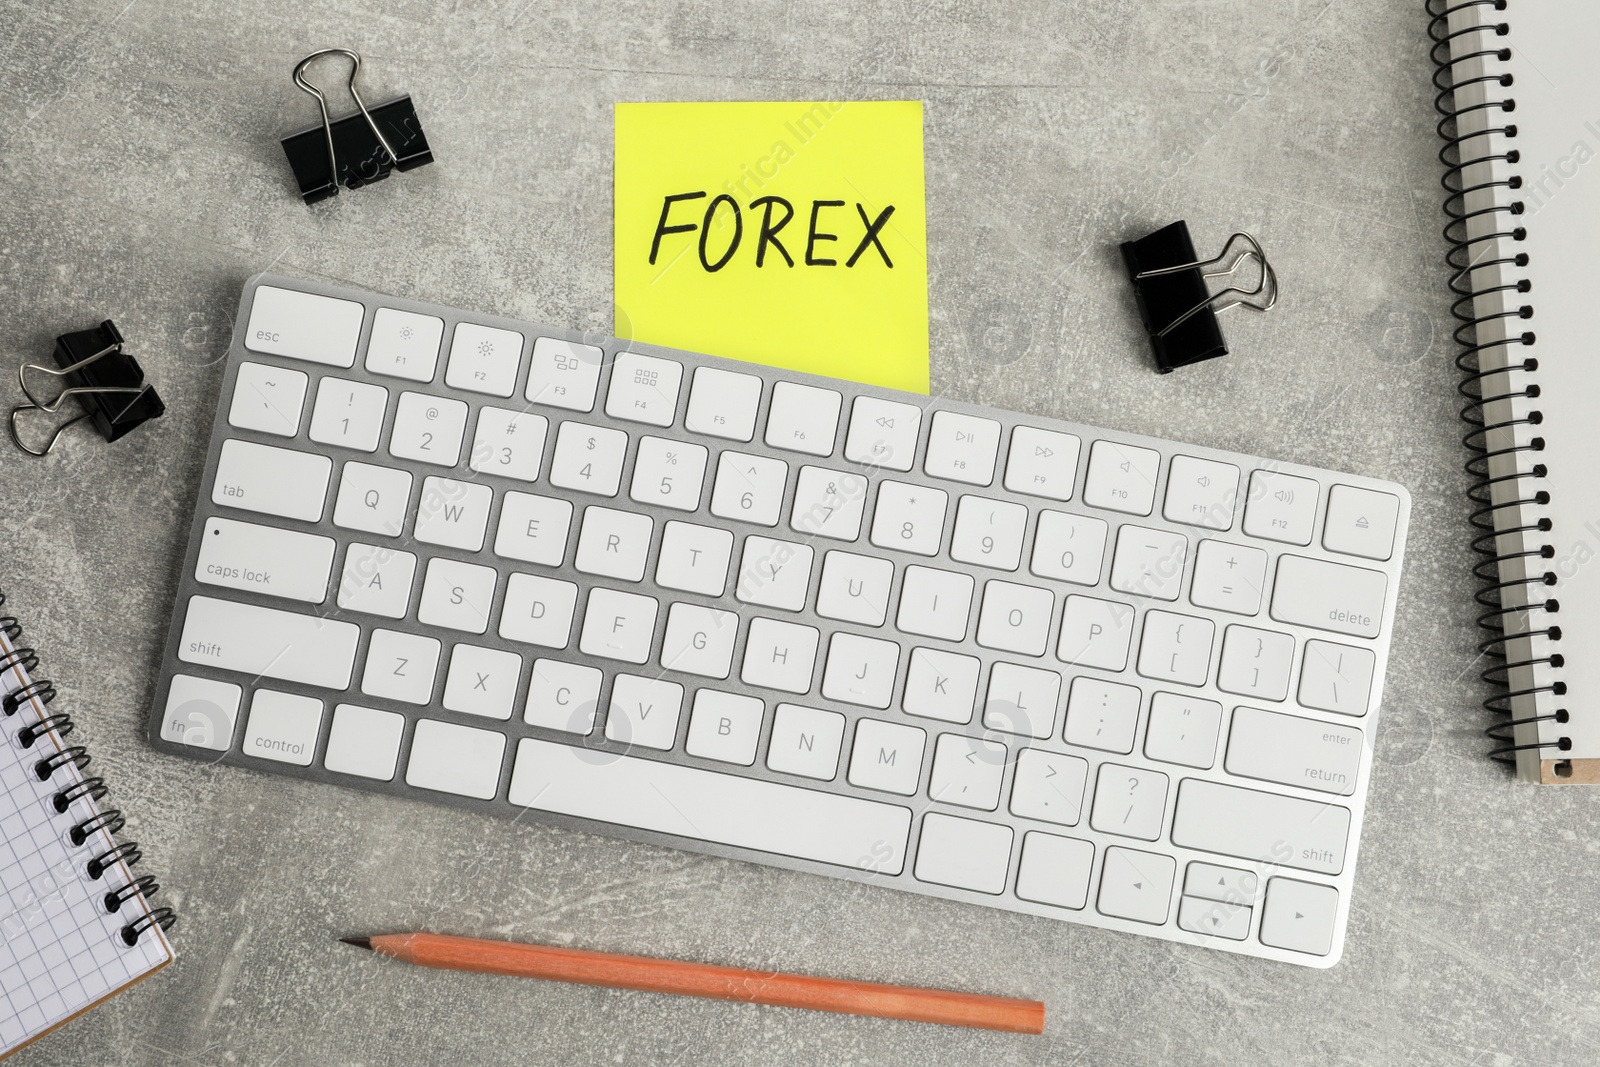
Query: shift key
(267,643)
(272,481)
(1264,827)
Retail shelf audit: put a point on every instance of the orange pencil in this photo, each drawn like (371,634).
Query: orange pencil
(706,980)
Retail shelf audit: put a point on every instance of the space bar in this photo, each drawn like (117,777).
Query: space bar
(720,808)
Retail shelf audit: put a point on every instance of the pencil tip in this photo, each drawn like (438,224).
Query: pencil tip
(358,942)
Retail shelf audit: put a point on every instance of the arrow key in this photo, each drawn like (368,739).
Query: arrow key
(1300,916)
(1214,918)
(1136,885)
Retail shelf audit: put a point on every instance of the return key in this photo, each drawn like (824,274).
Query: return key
(1294,750)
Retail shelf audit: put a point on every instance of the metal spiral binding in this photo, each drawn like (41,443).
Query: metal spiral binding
(1481,41)
(110,820)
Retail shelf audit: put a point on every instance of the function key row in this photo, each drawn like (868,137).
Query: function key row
(725,404)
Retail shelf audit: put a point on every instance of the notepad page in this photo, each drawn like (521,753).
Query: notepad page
(61,952)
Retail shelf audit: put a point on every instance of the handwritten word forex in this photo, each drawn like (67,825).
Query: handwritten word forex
(791,234)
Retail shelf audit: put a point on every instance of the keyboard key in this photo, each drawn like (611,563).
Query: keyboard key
(563,696)
(1329,596)
(1015,618)
(613,543)
(1122,478)
(779,655)
(963,853)
(364,741)
(348,414)
(452,513)
(1055,870)
(538,610)
(644,389)
(404,345)
(271,481)
(644,712)
(1102,714)
(1255,663)
(1149,562)
(563,374)
(457,595)
(699,640)
(1049,787)
(1214,918)
(1069,548)
(618,625)
(668,473)
(1252,825)
(749,488)
(1300,916)
(989,532)
(482,681)
(710,806)
(1360,522)
(588,458)
(909,518)
(860,670)
(962,448)
(967,771)
(1022,700)
(694,558)
(883,433)
(264,559)
(935,603)
(1136,885)
(484,360)
(1227,884)
(377,580)
(318,329)
(1201,492)
(1183,729)
(533,528)
(201,712)
(774,574)
(1282,507)
(803,418)
(1176,648)
(428,429)
(828,503)
(268,399)
(1293,750)
(456,759)
(1336,677)
(724,727)
(854,588)
(940,685)
(401,666)
(723,404)
(805,741)
(265,642)
(1228,577)
(1042,463)
(887,756)
(282,727)
(509,443)
(372,499)
(1095,633)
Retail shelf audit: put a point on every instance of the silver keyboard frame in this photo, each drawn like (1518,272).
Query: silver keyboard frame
(515,728)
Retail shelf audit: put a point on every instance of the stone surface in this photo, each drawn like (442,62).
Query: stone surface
(142,180)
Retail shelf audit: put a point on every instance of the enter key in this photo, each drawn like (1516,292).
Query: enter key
(1293,750)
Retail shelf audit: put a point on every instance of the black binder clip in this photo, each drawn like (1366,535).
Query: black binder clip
(107,382)
(358,149)
(1179,312)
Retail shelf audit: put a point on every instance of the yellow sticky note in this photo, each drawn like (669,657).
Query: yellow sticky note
(791,234)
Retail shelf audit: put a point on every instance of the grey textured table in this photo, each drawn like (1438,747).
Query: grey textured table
(141,179)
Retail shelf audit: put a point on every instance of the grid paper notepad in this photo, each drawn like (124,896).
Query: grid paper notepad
(61,950)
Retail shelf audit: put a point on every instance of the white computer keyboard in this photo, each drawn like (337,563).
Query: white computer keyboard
(987,656)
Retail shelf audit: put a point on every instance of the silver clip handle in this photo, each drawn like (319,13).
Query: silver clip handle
(322,103)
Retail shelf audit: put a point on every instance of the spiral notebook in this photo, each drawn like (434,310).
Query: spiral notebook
(75,924)
(1519,92)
